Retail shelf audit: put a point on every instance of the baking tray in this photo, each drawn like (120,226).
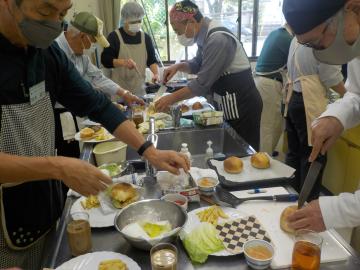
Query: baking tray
(252,183)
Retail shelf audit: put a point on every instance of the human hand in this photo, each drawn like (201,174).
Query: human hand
(169,73)
(163,104)
(130,64)
(325,132)
(309,217)
(155,78)
(80,175)
(130,98)
(170,161)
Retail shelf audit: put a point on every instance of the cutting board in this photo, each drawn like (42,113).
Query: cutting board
(269,213)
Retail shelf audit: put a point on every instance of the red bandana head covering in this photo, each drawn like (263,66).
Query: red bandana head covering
(180,12)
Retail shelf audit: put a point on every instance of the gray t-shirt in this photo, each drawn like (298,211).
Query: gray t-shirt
(330,75)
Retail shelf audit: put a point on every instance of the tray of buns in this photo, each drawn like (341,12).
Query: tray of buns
(256,170)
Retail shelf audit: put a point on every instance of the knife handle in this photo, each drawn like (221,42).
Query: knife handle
(286,198)
(321,158)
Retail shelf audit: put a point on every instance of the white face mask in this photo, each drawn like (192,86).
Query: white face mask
(185,41)
(91,50)
(135,27)
(339,52)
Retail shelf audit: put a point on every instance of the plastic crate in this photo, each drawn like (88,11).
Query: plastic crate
(209,118)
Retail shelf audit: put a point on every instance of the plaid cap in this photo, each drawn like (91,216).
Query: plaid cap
(183,10)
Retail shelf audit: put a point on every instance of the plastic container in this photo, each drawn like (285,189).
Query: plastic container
(177,198)
(209,153)
(208,118)
(185,150)
(110,152)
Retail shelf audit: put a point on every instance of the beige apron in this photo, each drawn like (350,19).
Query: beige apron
(272,124)
(314,95)
(130,79)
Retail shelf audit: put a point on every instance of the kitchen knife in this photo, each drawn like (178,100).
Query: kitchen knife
(310,179)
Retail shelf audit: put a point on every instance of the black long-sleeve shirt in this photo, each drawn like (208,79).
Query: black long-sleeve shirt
(112,52)
(34,207)
(62,80)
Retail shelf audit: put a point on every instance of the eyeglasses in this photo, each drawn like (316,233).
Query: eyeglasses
(316,44)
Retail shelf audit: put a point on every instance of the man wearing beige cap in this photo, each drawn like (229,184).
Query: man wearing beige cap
(83,30)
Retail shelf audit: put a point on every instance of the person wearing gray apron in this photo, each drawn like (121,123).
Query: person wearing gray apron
(222,68)
(131,51)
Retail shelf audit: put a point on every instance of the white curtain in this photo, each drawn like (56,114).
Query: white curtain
(110,14)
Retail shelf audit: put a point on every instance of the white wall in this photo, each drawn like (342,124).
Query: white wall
(84,5)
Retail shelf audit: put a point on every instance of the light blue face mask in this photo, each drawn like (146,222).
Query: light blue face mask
(339,52)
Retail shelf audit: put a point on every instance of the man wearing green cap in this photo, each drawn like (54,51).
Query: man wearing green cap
(34,74)
(83,30)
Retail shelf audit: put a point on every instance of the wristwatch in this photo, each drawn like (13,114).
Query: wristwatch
(143,147)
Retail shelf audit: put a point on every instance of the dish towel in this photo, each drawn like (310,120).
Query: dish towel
(68,126)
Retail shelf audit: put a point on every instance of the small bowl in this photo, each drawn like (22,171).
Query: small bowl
(257,263)
(176,198)
(208,189)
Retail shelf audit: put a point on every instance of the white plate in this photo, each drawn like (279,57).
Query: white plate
(193,221)
(97,218)
(91,261)
(111,137)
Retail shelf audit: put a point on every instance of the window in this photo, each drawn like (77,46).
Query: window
(242,17)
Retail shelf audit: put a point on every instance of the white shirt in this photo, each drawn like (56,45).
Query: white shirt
(347,109)
(87,70)
(344,210)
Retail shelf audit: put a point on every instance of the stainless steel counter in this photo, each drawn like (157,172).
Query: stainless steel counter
(108,239)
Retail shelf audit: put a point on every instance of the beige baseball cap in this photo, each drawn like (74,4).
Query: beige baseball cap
(91,25)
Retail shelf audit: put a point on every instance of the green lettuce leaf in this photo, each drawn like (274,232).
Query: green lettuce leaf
(201,242)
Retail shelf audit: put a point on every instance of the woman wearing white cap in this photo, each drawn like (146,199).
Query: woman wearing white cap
(131,51)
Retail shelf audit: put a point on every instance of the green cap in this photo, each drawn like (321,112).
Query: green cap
(89,24)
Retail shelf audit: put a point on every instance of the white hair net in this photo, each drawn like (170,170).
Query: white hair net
(132,11)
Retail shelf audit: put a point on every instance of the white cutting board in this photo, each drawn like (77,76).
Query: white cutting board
(269,213)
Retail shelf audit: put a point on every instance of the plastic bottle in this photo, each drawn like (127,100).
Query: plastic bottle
(185,150)
(209,151)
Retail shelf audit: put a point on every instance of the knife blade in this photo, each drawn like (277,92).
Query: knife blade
(160,92)
(310,179)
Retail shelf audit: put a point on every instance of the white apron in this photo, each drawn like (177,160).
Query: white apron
(272,124)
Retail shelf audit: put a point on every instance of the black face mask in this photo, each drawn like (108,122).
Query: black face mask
(40,34)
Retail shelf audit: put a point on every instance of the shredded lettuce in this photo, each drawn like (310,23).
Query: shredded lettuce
(112,168)
(201,242)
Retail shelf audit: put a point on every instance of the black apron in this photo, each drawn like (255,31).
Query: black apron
(236,95)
